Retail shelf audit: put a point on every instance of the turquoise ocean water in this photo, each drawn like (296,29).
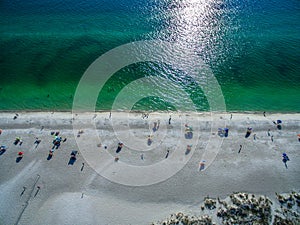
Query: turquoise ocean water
(252,48)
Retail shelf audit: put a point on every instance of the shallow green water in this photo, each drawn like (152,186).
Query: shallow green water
(252,48)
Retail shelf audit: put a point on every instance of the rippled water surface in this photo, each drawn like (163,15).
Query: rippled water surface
(252,48)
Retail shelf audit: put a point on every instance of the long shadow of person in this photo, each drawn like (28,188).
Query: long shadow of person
(49,157)
(2,152)
(72,159)
(18,159)
(188,149)
(284,161)
(248,133)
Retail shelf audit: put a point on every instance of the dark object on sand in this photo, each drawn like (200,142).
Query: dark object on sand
(248,133)
(223,132)
(50,154)
(149,141)
(201,165)
(188,132)
(3,149)
(188,149)
(17,140)
(73,157)
(240,149)
(155,126)
(24,189)
(285,158)
(279,122)
(226,132)
(73,154)
(120,145)
(37,191)
(56,142)
(20,157)
(37,142)
(167,155)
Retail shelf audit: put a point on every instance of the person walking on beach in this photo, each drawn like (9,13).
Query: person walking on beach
(37,142)
(285,158)
(254,136)
(264,114)
(170,120)
(269,132)
(240,149)
(272,138)
(167,155)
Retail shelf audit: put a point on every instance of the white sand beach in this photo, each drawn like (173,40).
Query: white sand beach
(144,186)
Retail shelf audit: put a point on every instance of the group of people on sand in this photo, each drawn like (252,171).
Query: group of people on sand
(189,135)
(278,124)
(57,140)
(223,132)
(156,124)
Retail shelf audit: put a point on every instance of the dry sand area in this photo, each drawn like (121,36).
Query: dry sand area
(40,191)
